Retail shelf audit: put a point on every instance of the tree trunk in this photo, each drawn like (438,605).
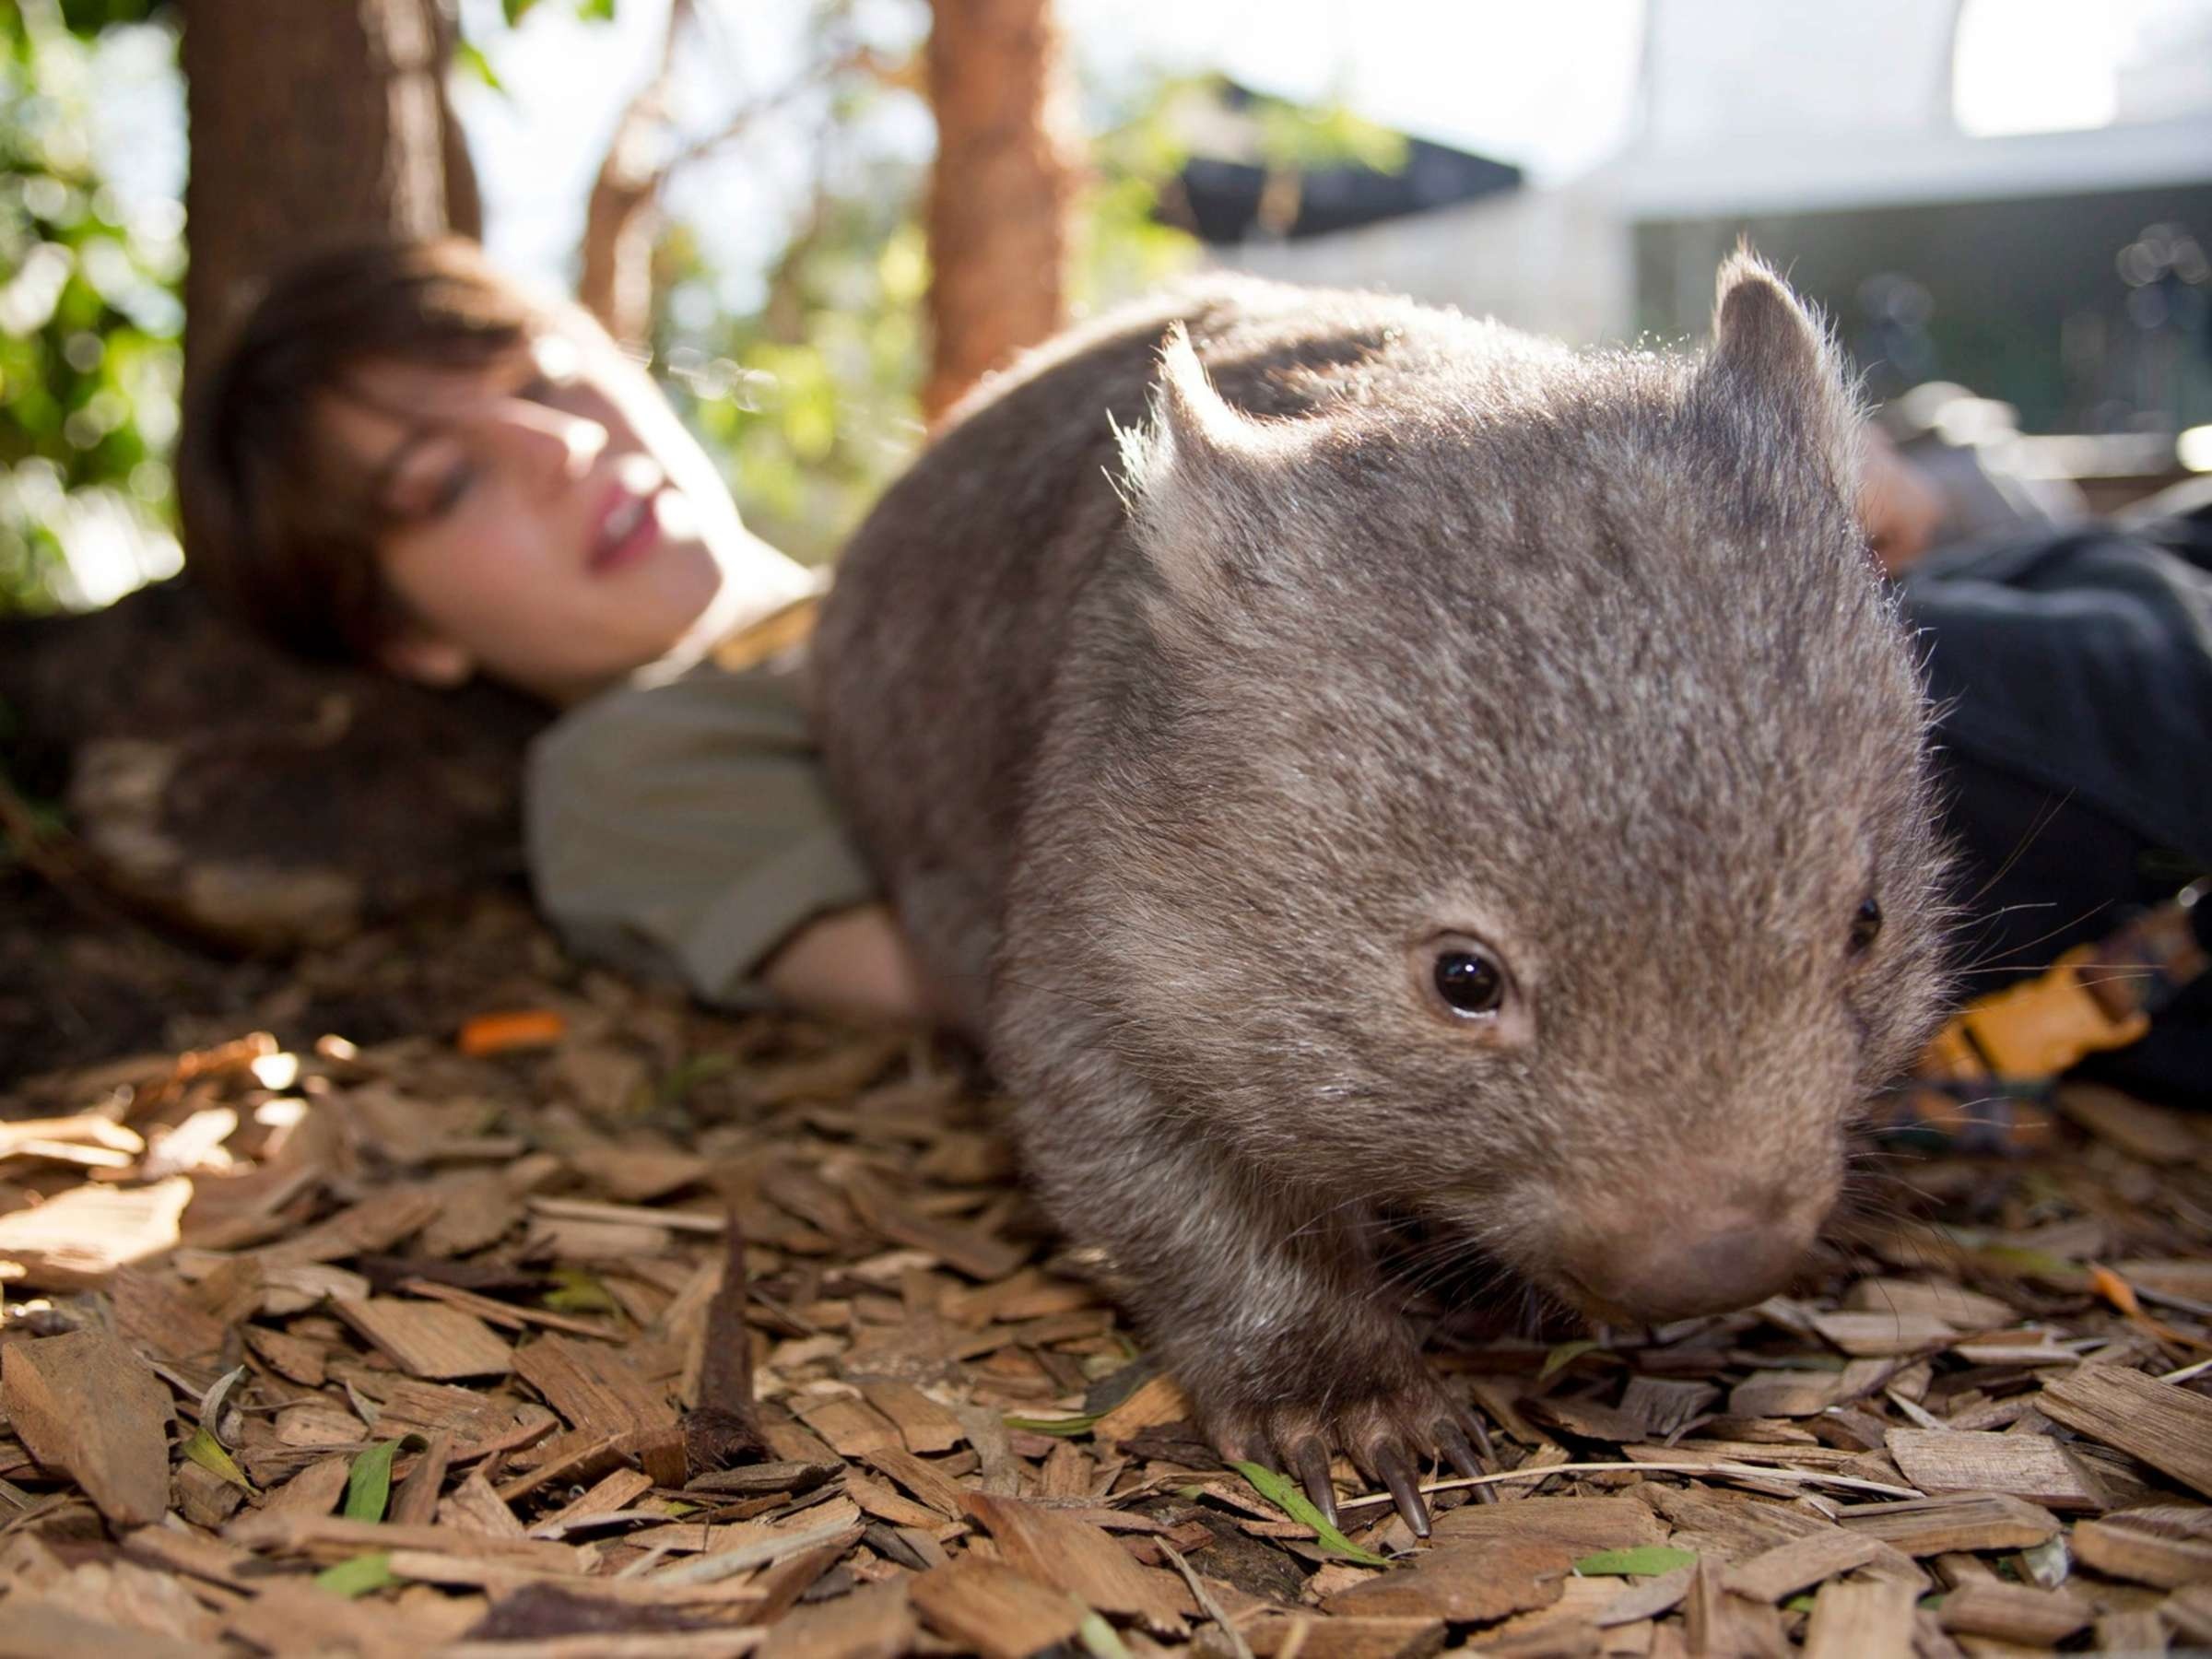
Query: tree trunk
(621,218)
(1000,193)
(464,202)
(309,125)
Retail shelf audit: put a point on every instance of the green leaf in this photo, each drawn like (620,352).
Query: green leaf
(1566,1354)
(2018,1262)
(578,1292)
(1282,1492)
(1097,1636)
(470,59)
(690,1074)
(368,1482)
(514,11)
(596,11)
(1070,1426)
(204,1449)
(1647,1560)
(357,1575)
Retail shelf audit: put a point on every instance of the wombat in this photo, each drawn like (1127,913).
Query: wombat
(1356,766)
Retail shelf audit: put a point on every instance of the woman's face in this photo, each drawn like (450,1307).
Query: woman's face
(549,520)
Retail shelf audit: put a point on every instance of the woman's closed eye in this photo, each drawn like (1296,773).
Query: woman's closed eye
(433,480)
(452,487)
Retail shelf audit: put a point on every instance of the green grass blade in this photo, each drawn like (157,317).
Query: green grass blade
(577,1291)
(1648,1560)
(368,1481)
(1098,1637)
(357,1575)
(1064,1426)
(1282,1492)
(1565,1354)
(204,1449)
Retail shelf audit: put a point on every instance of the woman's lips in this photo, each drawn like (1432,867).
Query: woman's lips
(630,531)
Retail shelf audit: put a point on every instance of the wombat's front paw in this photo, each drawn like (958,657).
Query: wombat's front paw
(1389,1434)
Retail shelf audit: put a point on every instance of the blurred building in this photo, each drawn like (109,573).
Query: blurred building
(1446,226)
(1229,197)
(2065,273)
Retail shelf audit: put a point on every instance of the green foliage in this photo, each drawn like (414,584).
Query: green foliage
(807,393)
(1123,246)
(589,11)
(810,399)
(811,396)
(89,319)
(470,59)
(1131,242)
(87,18)
(1303,136)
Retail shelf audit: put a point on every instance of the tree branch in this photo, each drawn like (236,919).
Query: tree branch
(616,285)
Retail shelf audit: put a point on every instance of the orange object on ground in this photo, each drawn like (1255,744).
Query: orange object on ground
(2115,1291)
(516,1029)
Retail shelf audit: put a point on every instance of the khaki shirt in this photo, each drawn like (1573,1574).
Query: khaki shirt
(685,827)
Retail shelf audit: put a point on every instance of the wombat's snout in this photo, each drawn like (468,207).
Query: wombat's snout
(1630,1266)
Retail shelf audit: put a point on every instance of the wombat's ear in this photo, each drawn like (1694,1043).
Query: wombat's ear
(1193,413)
(1773,358)
(1194,477)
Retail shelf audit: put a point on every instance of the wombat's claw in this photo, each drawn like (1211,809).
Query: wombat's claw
(1390,1463)
(1452,1434)
(1309,1461)
(1458,1451)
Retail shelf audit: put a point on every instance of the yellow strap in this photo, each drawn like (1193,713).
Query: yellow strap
(770,636)
(2040,1027)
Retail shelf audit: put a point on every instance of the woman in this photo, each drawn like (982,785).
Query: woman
(407,459)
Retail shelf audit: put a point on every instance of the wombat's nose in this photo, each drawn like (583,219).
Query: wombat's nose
(1645,1274)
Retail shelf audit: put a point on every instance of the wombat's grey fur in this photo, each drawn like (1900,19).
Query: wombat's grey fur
(1195,703)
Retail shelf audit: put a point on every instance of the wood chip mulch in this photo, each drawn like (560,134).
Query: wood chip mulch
(434,1347)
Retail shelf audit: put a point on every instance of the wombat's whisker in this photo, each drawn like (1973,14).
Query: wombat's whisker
(1320,1218)
(2118,974)
(1533,1301)
(1987,921)
(1415,1279)
(1863,1199)
(1857,1157)
(2046,815)
(1987,964)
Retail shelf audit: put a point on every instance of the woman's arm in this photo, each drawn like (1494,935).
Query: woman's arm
(853,963)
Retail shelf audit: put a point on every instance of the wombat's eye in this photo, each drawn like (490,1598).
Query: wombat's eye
(1469,982)
(1865,924)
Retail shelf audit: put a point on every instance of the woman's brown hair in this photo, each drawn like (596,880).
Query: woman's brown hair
(278,527)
